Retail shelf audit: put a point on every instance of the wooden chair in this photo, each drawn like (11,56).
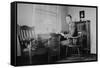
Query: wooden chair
(75,42)
(26,37)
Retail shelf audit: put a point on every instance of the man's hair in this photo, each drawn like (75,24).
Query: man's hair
(69,16)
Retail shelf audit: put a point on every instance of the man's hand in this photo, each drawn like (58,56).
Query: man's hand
(67,36)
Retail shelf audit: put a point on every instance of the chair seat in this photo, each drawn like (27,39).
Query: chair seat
(73,45)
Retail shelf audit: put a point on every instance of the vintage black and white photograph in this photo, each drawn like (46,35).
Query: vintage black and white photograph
(53,33)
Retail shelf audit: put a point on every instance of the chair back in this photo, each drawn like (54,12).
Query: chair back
(25,34)
(76,40)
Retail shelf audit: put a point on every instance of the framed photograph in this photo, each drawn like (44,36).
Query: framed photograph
(82,14)
(48,33)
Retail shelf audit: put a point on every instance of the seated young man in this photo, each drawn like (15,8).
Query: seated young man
(72,32)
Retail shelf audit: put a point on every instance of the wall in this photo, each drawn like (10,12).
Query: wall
(63,11)
(90,14)
(44,18)
(24,14)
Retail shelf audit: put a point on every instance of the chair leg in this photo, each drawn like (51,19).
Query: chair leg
(58,56)
(30,55)
(48,59)
(66,51)
(78,51)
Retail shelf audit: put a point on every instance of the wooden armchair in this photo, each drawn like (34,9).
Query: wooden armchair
(75,42)
(26,37)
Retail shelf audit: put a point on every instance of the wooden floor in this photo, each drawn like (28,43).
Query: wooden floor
(38,60)
(78,58)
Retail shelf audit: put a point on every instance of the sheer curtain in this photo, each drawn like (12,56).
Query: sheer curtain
(46,19)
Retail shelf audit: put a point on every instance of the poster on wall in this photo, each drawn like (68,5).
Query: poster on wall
(49,33)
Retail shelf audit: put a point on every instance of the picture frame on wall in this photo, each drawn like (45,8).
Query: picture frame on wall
(50,33)
(82,14)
